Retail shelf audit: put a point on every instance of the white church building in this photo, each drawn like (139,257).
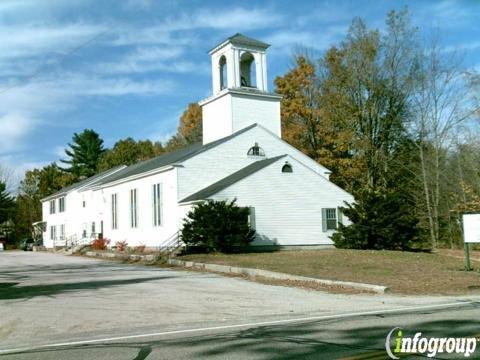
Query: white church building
(242,156)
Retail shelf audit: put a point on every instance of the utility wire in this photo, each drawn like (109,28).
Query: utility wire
(60,59)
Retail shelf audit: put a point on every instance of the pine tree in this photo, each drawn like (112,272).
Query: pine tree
(85,152)
(381,220)
(7,203)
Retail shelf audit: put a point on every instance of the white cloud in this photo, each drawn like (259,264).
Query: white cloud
(46,41)
(150,59)
(32,66)
(17,166)
(59,93)
(284,41)
(28,107)
(79,85)
(132,67)
(172,30)
(162,136)
(14,128)
(154,53)
(59,151)
(464,46)
(447,14)
(137,4)
(237,18)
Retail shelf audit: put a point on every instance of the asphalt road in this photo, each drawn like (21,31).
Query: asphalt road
(59,307)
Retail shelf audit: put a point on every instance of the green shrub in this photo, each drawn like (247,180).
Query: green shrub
(380,221)
(218,226)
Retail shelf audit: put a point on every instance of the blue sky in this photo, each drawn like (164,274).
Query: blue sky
(129,68)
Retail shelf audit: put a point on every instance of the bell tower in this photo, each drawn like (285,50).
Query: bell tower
(240,90)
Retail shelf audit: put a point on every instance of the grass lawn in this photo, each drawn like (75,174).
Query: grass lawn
(402,272)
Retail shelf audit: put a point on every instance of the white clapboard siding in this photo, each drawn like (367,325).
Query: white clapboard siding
(145,233)
(288,206)
(226,158)
(248,110)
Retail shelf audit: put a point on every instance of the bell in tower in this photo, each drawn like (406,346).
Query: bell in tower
(238,62)
(240,92)
(247,79)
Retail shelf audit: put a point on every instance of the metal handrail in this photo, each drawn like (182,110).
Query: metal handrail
(172,243)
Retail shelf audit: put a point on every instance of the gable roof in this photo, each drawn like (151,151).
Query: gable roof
(167,159)
(82,183)
(231,179)
(239,39)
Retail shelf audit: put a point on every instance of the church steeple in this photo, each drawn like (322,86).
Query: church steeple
(238,62)
(240,89)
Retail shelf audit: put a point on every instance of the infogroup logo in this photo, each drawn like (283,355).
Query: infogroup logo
(430,346)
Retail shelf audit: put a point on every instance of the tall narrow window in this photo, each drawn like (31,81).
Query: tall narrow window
(114,211)
(53,232)
(62,232)
(251,218)
(52,207)
(133,208)
(157,204)
(61,204)
(93,232)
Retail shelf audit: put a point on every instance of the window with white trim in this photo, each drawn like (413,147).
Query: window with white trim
(114,211)
(93,228)
(329,219)
(52,206)
(53,232)
(133,208)
(157,205)
(62,232)
(61,204)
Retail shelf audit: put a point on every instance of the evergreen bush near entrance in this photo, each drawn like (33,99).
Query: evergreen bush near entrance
(218,226)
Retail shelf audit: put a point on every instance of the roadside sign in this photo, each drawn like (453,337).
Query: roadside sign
(471,235)
(471,228)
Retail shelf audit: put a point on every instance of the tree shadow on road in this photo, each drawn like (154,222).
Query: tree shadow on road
(116,266)
(9,291)
(312,340)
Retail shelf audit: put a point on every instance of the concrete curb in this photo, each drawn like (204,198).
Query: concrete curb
(378,289)
(119,256)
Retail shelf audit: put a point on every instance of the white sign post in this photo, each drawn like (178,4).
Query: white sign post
(471,235)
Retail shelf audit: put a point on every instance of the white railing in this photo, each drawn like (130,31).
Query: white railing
(169,246)
(172,244)
(70,242)
(61,242)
